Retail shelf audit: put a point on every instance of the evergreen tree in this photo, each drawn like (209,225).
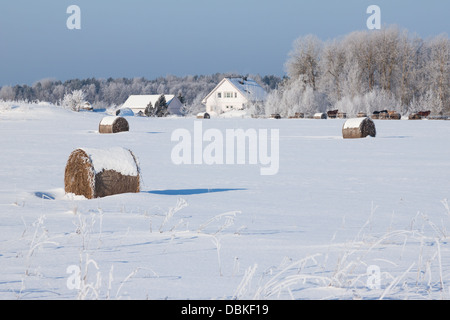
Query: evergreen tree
(149,110)
(181,98)
(161,107)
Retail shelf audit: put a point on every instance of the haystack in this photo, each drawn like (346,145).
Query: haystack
(203,115)
(395,115)
(414,116)
(342,115)
(297,115)
(358,128)
(96,173)
(113,124)
(320,115)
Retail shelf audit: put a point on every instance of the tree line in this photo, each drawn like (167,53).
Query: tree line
(107,93)
(366,71)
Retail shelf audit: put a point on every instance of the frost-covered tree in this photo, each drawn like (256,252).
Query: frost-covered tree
(367,71)
(74,100)
(304,60)
(7,93)
(438,71)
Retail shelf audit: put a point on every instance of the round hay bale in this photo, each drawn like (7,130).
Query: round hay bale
(275,116)
(395,116)
(320,115)
(414,116)
(96,173)
(358,128)
(342,115)
(113,124)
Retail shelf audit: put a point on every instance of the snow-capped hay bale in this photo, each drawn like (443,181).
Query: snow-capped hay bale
(342,115)
(320,115)
(96,173)
(395,116)
(297,115)
(113,124)
(358,128)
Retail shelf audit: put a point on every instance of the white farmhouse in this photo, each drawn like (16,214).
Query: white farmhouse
(138,103)
(234,94)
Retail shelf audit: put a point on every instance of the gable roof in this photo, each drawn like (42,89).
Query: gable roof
(248,87)
(142,101)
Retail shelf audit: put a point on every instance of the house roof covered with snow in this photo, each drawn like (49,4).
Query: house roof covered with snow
(248,87)
(139,102)
(142,101)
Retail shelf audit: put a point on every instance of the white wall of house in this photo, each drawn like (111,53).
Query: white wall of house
(225,98)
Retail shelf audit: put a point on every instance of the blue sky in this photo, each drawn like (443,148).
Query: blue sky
(151,38)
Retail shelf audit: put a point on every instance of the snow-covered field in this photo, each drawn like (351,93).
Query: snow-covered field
(342,219)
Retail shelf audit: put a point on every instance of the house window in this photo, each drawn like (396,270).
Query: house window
(235,94)
(219,94)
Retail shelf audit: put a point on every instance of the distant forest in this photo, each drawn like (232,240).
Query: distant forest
(363,71)
(106,93)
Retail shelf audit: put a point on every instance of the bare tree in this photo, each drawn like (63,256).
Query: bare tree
(439,69)
(304,60)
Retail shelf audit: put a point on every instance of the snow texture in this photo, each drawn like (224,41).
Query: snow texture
(337,210)
(249,88)
(108,121)
(354,122)
(117,159)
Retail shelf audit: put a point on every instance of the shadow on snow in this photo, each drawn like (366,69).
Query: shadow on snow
(188,192)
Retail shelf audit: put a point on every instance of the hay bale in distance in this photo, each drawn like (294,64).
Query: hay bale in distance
(361,115)
(275,116)
(358,128)
(96,173)
(297,115)
(414,116)
(320,115)
(342,115)
(332,114)
(113,124)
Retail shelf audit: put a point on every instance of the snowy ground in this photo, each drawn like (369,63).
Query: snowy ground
(336,210)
